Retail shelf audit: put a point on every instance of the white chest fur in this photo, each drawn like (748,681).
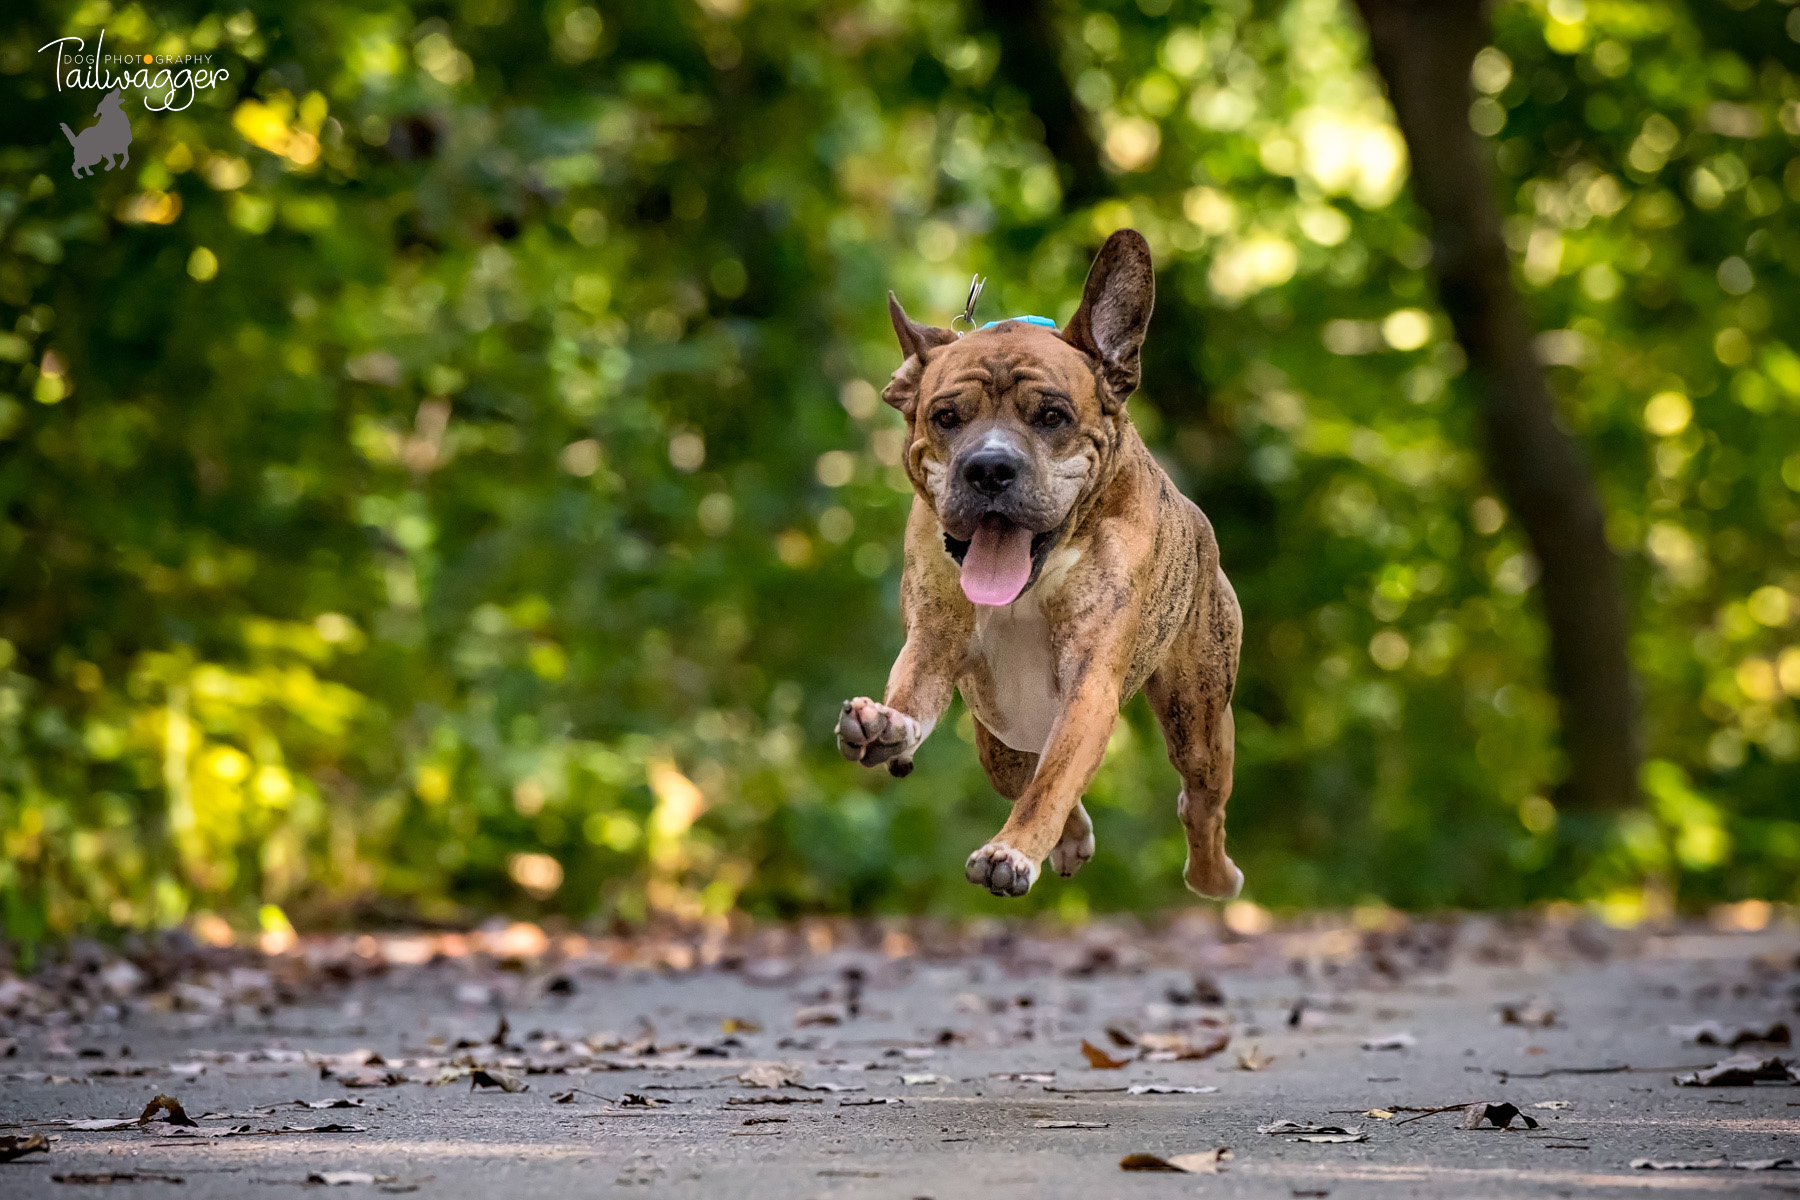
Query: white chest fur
(1022,700)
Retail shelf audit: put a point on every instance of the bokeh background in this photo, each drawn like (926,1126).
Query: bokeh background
(443,473)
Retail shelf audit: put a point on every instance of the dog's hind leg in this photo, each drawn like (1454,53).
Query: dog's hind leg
(1191,696)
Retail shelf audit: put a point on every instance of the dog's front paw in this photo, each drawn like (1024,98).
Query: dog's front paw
(872,734)
(1001,870)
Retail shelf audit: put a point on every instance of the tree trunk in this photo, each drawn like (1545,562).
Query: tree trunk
(1424,49)
(1031,61)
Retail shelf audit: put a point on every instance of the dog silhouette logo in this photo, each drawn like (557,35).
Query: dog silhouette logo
(109,138)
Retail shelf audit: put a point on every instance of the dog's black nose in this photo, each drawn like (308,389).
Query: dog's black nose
(991,471)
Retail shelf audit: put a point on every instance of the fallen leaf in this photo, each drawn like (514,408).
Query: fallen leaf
(1176,1047)
(1025,1076)
(1532,1015)
(1148,1162)
(1379,1114)
(12,1146)
(740,1025)
(639,1100)
(1712,1033)
(1070,1125)
(1205,1162)
(770,1075)
(165,1130)
(340,1178)
(829,1087)
(368,1077)
(1333,1138)
(821,1014)
(1500,1116)
(1169,1089)
(1741,1070)
(778,1100)
(1556,1105)
(867,1101)
(1286,1126)
(1250,1060)
(166,1104)
(102,1124)
(101,1177)
(493,1077)
(1715,1164)
(1099,1059)
(334,1102)
(765,1120)
(1391,1041)
(923,1080)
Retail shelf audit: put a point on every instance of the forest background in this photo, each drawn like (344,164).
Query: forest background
(442,473)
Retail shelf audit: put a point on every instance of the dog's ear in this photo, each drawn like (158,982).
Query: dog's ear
(1115,313)
(916,341)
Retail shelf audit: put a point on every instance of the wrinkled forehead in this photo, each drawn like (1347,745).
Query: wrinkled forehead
(1009,354)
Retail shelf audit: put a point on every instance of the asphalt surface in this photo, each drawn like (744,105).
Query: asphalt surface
(974,1049)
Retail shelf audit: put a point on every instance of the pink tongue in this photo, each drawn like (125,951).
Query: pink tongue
(998,564)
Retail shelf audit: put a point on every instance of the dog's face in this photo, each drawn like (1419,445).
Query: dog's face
(1011,426)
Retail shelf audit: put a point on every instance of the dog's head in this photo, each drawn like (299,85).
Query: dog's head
(110,100)
(1012,425)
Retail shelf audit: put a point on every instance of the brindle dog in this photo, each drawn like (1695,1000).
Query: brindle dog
(1052,570)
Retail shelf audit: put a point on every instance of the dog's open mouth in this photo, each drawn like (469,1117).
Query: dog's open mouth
(999,560)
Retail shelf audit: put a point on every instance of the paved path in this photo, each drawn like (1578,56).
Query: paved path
(971,1042)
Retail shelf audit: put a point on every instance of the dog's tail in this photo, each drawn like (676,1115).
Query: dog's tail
(68,133)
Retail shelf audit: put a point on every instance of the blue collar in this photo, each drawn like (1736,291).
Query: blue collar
(1044,321)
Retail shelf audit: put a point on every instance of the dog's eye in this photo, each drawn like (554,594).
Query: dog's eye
(1051,418)
(946,418)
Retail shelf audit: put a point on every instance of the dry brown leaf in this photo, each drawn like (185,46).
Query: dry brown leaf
(1204,1162)
(1148,1162)
(1713,1033)
(166,1104)
(1100,1060)
(12,1146)
(493,1077)
(1742,1070)
(1500,1116)
(1178,1047)
(770,1075)
(1250,1060)
(1532,1015)
(1715,1164)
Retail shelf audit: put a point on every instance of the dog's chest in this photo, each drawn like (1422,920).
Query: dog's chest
(1016,695)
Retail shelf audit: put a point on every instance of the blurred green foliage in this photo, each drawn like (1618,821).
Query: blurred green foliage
(443,471)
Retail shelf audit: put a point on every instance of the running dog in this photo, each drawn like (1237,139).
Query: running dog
(1052,570)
